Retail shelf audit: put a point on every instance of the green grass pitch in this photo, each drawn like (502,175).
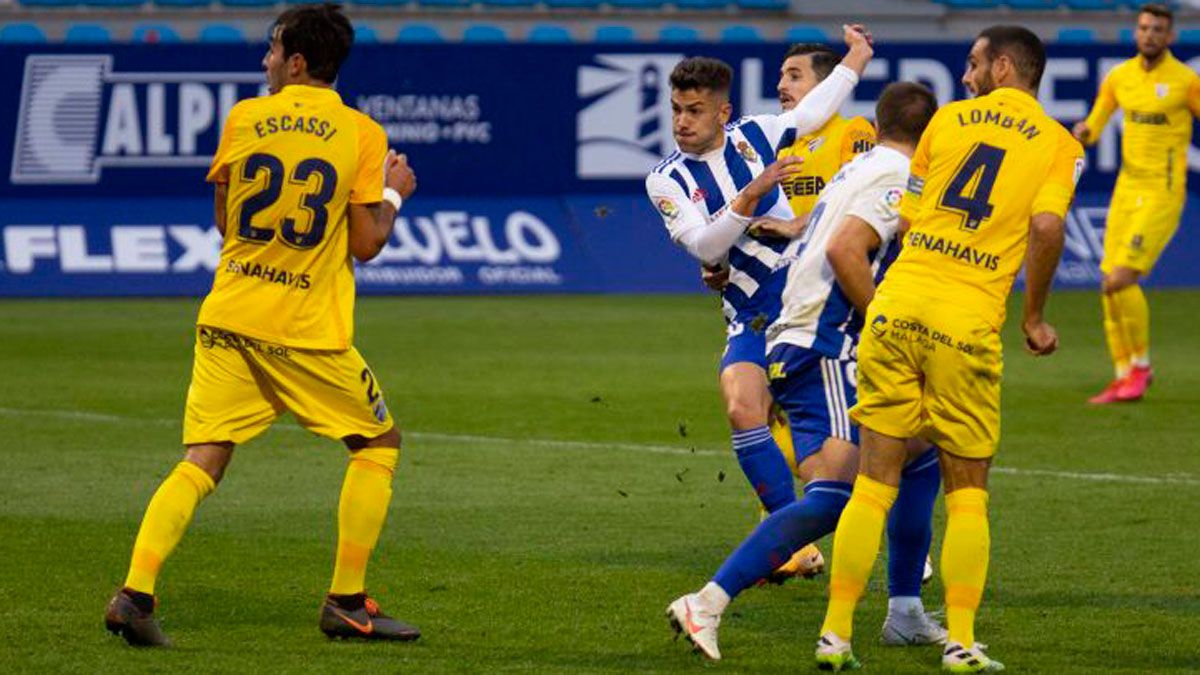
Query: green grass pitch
(565,475)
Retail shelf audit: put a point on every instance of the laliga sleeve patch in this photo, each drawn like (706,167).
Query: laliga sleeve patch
(667,207)
(889,204)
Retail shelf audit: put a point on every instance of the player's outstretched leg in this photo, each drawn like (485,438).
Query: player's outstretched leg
(362,509)
(697,615)
(130,613)
(909,532)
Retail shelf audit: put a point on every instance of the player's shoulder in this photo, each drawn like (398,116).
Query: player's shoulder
(860,125)
(753,121)
(366,125)
(666,164)
(1180,69)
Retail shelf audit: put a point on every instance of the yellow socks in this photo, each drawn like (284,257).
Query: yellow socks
(965,553)
(166,520)
(366,493)
(1114,334)
(855,547)
(1135,317)
(1127,328)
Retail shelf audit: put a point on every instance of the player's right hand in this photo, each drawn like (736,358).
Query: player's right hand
(772,175)
(715,277)
(1081,132)
(1040,338)
(398,175)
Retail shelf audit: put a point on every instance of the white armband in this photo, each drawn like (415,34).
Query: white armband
(392,197)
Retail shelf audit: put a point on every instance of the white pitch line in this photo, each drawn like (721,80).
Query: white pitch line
(86,416)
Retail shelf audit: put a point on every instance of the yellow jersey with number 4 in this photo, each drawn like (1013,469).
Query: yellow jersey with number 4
(1158,105)
(981,170)
(294,162)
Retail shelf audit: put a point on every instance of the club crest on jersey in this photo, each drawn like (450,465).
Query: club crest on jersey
(699,195)
(667,207)
(1161,89)
(747,152)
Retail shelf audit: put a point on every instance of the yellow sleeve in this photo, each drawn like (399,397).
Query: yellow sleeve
(859,138)
(1058,189)
(910,203)
(1193,96)
(372,150)
(1102,109)
(218,171)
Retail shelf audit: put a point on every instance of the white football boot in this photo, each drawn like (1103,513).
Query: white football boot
(957,659)
(834,653)
(912,627)
(697,626)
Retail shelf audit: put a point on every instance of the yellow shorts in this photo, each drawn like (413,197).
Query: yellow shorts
(930,370)
(241,385)
(1139,226)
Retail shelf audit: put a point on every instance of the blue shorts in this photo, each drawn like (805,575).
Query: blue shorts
(743,344)
(817,393)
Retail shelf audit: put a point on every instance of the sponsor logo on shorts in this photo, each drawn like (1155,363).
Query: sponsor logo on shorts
(215,337)
(879,325)
(912,330)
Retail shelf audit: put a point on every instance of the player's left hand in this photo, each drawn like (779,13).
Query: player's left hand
(715,277)
(1040,338)
(768,226)
(857,34)
(398,175)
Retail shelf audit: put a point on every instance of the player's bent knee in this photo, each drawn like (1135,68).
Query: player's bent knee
(211,457)
(388,439)
(1119,279)
(963,472)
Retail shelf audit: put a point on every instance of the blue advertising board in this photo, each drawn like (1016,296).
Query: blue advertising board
(531,160)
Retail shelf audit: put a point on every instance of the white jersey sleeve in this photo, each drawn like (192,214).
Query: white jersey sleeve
(678,213)
(879,205)
(707,242)
(814,110)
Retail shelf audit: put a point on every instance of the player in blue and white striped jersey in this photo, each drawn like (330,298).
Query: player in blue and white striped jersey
(829,282)
(708,192)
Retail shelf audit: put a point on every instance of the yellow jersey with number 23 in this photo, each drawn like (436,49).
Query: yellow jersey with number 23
(294,162)
(981,170)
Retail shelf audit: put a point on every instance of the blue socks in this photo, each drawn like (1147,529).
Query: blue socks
(763,463)
(909,526)
(786,531)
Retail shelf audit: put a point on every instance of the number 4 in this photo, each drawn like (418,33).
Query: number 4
(984,162)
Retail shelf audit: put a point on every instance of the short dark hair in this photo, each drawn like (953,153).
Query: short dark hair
(319,33)
(1159,10)
(903,111)
(824,59)
(1025,49)
(701,72)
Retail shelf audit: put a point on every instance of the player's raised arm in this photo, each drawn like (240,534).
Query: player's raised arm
(827,97)
(1088,130)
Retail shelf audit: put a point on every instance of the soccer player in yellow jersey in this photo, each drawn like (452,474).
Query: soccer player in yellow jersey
(1159,96)
(827,149)
(303,184)
(991,181)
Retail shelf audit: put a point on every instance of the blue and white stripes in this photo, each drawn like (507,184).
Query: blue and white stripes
(835,399)
(836,487)
(745,439)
